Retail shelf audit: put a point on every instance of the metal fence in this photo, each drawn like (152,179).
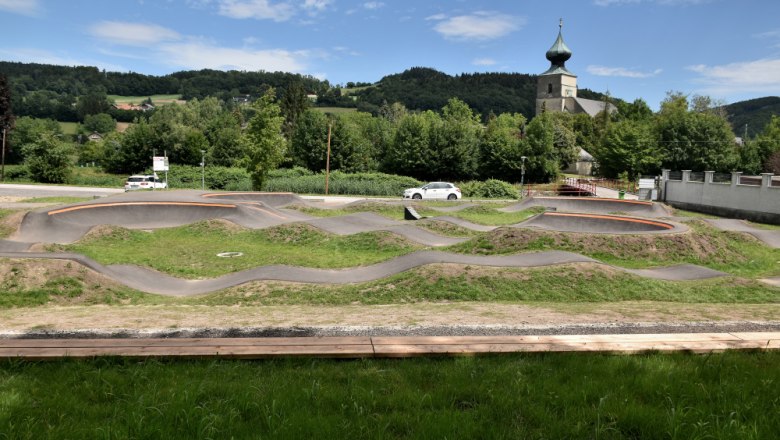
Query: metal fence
(675,175)
(696,177)
(721,178)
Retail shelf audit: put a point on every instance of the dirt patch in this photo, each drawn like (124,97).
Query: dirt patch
(58,317)
(10,223)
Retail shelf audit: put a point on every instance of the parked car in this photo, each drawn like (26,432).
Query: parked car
(144,182)
(434,190)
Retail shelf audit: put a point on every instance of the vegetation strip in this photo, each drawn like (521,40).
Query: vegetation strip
(383,346)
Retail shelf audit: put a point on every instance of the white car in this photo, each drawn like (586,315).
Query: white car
(144,182)
(434,191)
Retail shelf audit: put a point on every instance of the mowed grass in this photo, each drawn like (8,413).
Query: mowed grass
(651,396)
(191,251)
(57,199)
(69,128)
(156,99)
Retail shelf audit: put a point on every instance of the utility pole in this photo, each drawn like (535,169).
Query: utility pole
(2,168)
(327,163)
(203,170)
(522,176)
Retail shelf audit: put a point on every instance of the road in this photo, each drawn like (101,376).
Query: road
(30,191)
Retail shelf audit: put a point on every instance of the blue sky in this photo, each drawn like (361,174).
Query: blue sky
(727,49)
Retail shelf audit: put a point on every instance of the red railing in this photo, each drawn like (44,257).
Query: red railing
(576,187)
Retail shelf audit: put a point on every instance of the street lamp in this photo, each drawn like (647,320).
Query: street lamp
(203,170)
(522,175)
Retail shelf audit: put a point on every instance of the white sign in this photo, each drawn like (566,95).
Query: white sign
(646,183)
(160,163)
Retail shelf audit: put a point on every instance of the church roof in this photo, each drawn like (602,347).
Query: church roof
(558,54)
(593,107)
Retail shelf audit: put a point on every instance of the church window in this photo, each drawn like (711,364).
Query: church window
(549,88)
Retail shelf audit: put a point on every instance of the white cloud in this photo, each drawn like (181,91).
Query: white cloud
(373,5)
(436,17)
(257,9)
(132,34)
(621,72)
(190,55)
(484,62)
(24,55)
(23,7)
(479,26)
(316,6)
(761,76)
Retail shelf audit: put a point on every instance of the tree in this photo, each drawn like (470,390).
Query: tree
(263,140)
(308,143)
(47,159)
(629,147)
(101,123)
(410,152)
(6,117)
(502,148)
(293,103)
(92,103)
(132,152)
(27,131)
(694,139)
(768,143)
(455,142)
(541,165)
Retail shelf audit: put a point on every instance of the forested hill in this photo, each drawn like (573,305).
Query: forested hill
(756,113)
(422,88)
(81,80)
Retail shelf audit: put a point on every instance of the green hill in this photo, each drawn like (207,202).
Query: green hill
(755,113)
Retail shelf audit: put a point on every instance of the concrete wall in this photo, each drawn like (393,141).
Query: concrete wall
(757,203)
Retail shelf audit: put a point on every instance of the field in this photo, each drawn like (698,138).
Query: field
(732,395)
(137,100)
(335,110)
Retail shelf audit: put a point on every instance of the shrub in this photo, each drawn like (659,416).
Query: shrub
(368,184)
(489,189)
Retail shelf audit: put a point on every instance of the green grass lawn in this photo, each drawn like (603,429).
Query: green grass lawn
(69,128)
(335,110)
(60,200)
(651,396)
(191,251)
(156,99)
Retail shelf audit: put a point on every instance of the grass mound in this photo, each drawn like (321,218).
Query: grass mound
(737,253)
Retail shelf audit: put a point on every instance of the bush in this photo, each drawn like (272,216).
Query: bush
(367,184)
(17,173)
(489,189)
(216,177)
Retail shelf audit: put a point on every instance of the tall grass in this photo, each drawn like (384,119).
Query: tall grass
(681,396)
(366,184)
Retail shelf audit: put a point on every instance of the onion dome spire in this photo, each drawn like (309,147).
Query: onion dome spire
(558,54)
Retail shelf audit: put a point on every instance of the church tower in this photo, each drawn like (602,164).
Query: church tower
(557,86)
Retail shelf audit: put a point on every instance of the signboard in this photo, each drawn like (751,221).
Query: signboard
(646,183)
(160,163)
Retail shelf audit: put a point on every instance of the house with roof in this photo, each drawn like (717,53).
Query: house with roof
(556,91)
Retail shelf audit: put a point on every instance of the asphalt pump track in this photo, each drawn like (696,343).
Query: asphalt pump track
(150,210)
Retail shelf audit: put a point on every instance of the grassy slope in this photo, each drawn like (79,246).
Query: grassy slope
(650,396)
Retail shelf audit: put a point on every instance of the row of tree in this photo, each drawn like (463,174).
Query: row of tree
(452,144)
